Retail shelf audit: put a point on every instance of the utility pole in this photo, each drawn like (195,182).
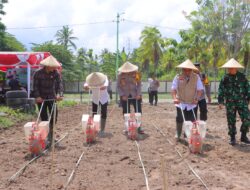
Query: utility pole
(117,51)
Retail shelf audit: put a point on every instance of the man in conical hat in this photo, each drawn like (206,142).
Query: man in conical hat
(234,93)
(98,83)
(48,88)
(129,87)
(186,91)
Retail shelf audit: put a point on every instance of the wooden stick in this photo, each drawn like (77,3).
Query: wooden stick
(143,168)
(73,171)
(163,173)
(53,145)
(22,169)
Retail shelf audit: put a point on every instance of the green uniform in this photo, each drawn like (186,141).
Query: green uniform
(234,92)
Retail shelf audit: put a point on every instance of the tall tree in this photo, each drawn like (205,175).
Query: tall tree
(64,37)
(151,46)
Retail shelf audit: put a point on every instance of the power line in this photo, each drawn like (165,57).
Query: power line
(58,26)
(158,26)
(92,23)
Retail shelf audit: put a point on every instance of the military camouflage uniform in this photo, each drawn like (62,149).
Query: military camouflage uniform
(234,91)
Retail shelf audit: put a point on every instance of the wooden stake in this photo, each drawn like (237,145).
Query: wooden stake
(53,146)
(163,173)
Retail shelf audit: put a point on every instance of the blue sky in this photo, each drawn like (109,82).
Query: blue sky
(36,13)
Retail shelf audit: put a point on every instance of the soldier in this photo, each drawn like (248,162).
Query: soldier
(234,93)
(98,84)
(202,103)
(186,91)
(48,88)
(129,88)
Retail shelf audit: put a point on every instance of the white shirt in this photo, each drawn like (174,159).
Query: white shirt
(199,86)
(99,95)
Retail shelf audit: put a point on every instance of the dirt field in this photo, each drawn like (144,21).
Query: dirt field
(113,163)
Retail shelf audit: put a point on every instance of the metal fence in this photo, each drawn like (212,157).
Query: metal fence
(165,87)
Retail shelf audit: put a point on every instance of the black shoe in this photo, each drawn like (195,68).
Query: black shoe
(232,141)
(244,139)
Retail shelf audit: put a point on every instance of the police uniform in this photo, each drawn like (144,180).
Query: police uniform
(202,103)
(234,93)
(129,87)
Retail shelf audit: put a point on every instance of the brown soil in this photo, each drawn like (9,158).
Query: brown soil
(113,163)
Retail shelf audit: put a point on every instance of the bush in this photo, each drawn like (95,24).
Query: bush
(12,117)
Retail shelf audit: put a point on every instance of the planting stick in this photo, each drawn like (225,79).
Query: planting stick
(163,173)
(73,171)
(53,145)
(143,168)
(22,169)
(178,152)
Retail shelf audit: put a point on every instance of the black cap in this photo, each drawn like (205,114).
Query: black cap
(197,64)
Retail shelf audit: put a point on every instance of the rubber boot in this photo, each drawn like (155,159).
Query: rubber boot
(232,140)
(103,124)
(244,138)
(178,131)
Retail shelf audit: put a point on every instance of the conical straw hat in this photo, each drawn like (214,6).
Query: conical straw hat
(95,79)
(232,63)
(187,65)
(50,62)
(128,67)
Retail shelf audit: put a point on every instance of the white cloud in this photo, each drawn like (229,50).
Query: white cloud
(30,13)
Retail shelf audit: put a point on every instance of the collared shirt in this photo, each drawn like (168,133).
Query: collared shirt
(99,95)
(199,86)
(127,85)
(154,85)
(47,85)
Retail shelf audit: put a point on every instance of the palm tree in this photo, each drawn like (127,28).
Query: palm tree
(64,37)
(151,46)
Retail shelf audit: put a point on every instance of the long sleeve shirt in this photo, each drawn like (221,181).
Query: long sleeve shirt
(47,85)
(99,95)
(234,88)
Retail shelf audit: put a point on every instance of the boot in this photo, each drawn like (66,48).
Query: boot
(244,138)
(178,130)
(232,140)
(103,124)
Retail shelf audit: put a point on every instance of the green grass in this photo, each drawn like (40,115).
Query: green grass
(67,103)
(12,117)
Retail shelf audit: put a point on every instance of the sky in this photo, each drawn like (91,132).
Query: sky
(93,21)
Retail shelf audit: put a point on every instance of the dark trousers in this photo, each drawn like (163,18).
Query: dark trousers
(110,95)
(153,96)
(104,108)
(189,116)
(202,104)
(126,105)
(46,112)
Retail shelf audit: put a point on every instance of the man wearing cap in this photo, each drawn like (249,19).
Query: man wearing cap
(234,93)
(206,92)
(186,91)
(129,87)
(48,88)
(98,83)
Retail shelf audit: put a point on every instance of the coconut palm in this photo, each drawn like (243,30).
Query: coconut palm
(64,37)
(151,46)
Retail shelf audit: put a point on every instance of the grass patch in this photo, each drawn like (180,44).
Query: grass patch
(12,117)
(67,103)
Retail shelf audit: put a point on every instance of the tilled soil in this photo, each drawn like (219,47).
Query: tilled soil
(113,163)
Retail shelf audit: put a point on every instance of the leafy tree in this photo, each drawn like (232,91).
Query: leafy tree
(64,37)
(12,44)
(151,46)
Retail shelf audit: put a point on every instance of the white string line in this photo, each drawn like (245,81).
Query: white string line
(73,171)
(178,152)
(21,170)
(144,171)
